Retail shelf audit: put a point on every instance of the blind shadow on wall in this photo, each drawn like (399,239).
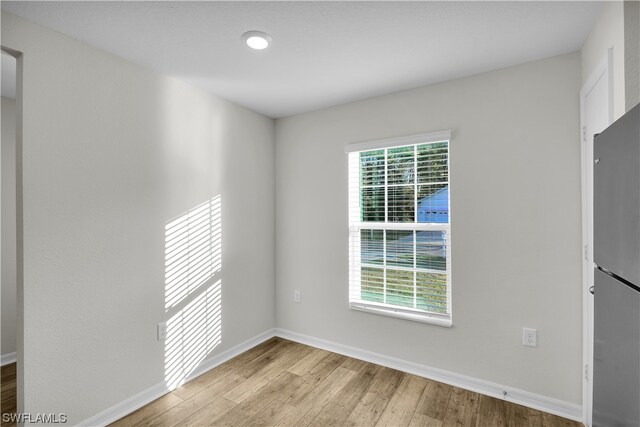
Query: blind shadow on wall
(193,289)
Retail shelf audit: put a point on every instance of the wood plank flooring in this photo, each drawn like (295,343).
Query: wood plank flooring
(7,391)
(282,383)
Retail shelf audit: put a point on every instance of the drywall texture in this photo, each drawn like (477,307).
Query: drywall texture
(8,214)
(607,32)
(632,53)
(515,197)
(113,154)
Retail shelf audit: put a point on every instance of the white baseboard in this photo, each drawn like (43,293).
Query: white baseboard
(137,401)
(521,397)
(5,359)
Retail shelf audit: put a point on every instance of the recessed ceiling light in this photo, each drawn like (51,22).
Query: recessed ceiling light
(256,39)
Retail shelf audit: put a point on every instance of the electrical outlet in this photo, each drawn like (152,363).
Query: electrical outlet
(529,337)
(162,331)
(296,296)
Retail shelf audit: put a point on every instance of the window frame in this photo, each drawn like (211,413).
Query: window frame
(355,225)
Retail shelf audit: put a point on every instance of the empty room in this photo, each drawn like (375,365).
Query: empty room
(323,213)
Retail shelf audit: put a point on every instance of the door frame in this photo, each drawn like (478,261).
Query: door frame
(602,71)
(19,230)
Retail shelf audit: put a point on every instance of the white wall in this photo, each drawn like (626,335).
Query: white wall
(8,250)
(607,32)
(112,153)
(515,203)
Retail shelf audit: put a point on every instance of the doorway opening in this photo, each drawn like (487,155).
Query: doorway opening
(10,237)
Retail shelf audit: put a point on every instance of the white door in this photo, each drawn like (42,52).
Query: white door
(595,116)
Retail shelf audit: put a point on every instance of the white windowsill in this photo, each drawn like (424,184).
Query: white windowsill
(423,318)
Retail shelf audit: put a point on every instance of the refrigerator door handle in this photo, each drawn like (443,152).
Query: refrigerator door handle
(618,278)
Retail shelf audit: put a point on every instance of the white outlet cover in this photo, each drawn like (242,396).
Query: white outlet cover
(529,337)
(162,331)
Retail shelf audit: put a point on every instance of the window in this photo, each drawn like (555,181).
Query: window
(399,230)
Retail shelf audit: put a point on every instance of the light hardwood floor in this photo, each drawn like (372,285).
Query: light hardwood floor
(7,391)
(284,383)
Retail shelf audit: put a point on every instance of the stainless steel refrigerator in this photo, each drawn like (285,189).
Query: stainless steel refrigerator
(616,216)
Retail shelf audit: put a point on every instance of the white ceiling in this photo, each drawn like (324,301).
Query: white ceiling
(323,53)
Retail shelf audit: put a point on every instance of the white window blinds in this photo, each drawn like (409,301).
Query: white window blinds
(399,230)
